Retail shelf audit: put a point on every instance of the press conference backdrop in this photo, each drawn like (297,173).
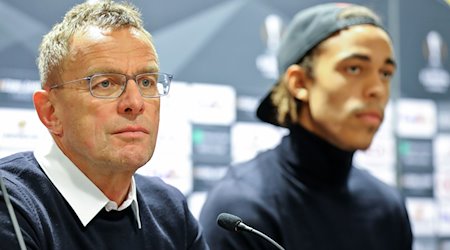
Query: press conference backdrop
(222,54)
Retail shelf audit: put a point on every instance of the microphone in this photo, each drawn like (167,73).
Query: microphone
(233,223)
(12,215)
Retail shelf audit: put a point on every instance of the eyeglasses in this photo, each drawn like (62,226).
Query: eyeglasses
(112,85)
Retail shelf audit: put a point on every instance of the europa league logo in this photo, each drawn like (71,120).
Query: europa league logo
(267,62)
(434,77)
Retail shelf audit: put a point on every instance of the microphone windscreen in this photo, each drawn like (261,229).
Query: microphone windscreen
(228,221)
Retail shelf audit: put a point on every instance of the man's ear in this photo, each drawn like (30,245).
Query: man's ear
(296,78)
(46,111)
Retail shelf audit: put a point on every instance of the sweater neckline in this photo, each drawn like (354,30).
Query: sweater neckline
(314,161)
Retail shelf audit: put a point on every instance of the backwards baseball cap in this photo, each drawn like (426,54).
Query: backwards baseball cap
(308,28)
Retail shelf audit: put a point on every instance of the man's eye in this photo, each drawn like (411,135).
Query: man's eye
(386,75)
(105,84)
(146,82)
(353,70)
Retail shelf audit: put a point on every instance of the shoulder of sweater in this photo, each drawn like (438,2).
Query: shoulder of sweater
(27,184)
(265,162)
(161,199)
(13,160)
(249,183)
(21,169)
(363,180)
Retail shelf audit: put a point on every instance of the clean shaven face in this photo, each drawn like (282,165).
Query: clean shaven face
(350,87)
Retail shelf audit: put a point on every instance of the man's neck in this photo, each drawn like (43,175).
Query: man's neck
(113,183)
(115,186)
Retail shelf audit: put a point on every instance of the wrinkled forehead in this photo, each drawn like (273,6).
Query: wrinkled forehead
(95,33)
(96,50)
(101,41)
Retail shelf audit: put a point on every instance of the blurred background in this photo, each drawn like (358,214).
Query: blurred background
(222,55)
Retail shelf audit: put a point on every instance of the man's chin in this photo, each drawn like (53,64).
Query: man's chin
(358,142)
(134,160)
(364,144)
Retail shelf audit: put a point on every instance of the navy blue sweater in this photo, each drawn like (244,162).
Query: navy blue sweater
(48,222)
(306,195)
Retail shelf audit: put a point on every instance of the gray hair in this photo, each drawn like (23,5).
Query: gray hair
(106,14)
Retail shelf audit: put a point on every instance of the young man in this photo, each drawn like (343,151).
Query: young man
(100,100)
(336,62)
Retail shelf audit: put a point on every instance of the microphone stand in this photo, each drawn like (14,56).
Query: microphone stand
(12,215)
(243,227)
(233,223)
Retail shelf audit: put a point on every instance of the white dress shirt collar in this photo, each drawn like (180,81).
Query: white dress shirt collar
(85,198)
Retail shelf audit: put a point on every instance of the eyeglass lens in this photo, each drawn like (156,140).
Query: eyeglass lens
(112,85)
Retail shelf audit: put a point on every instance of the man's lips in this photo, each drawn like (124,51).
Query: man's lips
(371,117)
(132,129)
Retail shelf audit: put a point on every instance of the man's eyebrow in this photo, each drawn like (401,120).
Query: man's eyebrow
(103,70)
(389,60)
(356,56)
(149,69)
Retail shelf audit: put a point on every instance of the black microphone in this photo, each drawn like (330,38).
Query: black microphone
(233,223)
(12,215)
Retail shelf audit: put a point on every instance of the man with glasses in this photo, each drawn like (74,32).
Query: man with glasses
(100,100)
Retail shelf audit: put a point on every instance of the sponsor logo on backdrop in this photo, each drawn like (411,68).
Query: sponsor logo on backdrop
(423,214)
(444,116)
(212,104)
(442,185)
(250,138)
(444,221)
(415,154)
(379,158)
(21,131)
(441,151)
(416,118)
(267,62)
(434,77)
(417,184)
(16,86)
